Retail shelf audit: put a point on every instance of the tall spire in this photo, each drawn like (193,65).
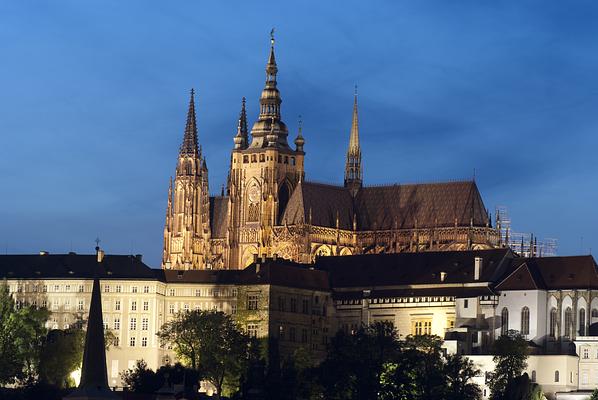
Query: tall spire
(241,137)
(353,170)
(94,378)
(189,145)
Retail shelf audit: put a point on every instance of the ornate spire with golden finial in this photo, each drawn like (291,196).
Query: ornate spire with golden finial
(241,139)
(271,68)
(353,169)
(270,118)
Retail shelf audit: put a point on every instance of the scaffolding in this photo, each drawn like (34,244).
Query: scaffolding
(524,244)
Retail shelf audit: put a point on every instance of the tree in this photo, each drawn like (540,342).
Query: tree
(459,371)
(210,342)
(62,353)
(417,372)
(141,379)
(354,363)
(510,355)
(21,335)
(594,395)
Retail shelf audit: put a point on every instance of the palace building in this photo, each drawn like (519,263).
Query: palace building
(269,208)
(468,298)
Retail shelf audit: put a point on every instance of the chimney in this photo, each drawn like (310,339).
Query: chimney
(442,276)
(99,254)
(477,271)
(139,257)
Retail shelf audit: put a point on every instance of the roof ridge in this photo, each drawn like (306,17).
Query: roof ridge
(321,183)
(418,183)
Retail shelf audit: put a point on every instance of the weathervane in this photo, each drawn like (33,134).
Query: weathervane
(272,36)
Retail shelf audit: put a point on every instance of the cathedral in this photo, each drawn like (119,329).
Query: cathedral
(270,209)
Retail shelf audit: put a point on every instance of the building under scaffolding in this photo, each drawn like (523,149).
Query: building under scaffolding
(524,244)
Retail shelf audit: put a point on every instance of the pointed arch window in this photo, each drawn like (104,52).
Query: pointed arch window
(284,194)
(552,330)
(582,322)
(525,321)
(504,319)
(568,322)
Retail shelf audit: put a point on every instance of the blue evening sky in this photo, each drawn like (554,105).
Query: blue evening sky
(93,97)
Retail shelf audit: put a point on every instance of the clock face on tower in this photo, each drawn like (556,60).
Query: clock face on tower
(254,193)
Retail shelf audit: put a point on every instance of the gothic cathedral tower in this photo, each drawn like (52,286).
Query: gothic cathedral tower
(263,174)
(187,227)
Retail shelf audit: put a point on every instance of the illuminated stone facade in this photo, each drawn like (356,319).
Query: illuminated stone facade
(268,208)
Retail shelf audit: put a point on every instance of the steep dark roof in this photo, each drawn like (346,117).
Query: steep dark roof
(387,207)
(567,272)
(202,276)
(374,270)
(218,213)
(60,266)
(285,273)
(324,202)
(430,204)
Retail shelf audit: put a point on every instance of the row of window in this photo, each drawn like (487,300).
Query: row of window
(568,325)
(262,158)
(292,334)
(133,341)
(390,300)
(54,306)
(204,292)
(117,305)
(119,289)
(282,304)
(39,288)
(172,309)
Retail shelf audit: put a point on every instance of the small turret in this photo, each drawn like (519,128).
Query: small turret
(299,140)
(241,137)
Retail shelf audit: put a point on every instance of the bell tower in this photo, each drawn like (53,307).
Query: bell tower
(187,227)
(264,172)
